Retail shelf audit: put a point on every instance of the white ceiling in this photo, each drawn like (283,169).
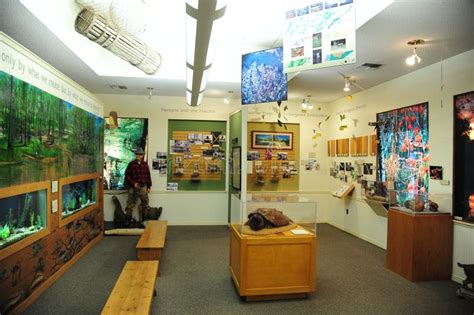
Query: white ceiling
(447,26)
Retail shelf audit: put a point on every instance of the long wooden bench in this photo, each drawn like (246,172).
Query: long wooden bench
(151,243)
(134,289)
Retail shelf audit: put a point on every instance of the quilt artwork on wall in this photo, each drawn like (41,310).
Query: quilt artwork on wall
(463,190)
(119,149)
(43,136)
(403,151)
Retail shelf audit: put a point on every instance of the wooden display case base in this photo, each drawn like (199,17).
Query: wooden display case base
(419,246)
(273,266)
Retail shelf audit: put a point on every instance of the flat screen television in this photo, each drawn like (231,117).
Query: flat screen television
(263,79)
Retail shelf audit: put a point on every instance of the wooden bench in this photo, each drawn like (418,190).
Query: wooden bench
(134,289)
(152,241)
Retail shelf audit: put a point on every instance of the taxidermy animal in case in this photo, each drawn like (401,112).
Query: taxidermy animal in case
(267,218)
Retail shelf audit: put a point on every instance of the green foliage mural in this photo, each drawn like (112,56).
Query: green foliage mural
(42,136)
(119,147)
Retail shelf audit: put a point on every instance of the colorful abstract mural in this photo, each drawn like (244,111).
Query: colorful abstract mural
(403,153)
(463,190)
(43,136)
(119,147)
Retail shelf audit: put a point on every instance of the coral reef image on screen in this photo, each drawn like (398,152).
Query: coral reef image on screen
(403,153)
(119,149)
(263,79)
(463,189)
(43,136)
(21,216)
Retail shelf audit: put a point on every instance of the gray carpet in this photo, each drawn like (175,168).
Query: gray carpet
(351,279)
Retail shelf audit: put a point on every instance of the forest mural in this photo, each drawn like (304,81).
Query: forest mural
(43,136)
(119,149)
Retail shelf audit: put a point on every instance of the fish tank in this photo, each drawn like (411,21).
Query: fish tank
(78,196)
(420,203)
(24,216)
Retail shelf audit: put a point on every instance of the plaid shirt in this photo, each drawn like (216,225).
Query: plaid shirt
(137,173)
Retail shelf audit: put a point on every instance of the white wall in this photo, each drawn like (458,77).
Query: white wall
(436,84)
(202,208)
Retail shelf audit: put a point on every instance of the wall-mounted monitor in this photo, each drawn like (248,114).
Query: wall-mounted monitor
(263,79)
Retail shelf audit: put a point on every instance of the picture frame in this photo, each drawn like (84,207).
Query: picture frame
(235,171)
(266,139)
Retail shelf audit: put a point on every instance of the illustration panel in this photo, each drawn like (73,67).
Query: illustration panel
(403,152)
(463,190)
(277,140)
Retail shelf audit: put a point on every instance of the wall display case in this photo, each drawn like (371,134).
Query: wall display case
(197,154)
(273,157)
(259,258)
(24,216)
(77,197)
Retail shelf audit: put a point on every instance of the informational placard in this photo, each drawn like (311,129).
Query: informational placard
(319,34)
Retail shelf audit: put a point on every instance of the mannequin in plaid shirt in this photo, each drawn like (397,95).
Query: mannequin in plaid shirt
(138,183)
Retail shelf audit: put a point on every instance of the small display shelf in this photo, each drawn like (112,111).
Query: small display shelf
(77,196)
(24,216)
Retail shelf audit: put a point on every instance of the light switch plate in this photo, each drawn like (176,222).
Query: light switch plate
(54,186)
(54,206)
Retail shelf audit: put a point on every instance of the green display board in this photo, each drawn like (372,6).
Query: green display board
(197,157)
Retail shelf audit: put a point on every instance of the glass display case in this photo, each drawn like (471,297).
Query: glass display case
(24,216)
(272,210)
(77,196)
(419,203)
(376,191)
(269,232)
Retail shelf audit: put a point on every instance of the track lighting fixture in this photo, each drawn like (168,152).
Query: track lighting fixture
(414,58)
(228,97)
(306,103)
(347,85)
(150,92)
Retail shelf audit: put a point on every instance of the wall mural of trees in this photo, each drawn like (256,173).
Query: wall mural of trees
(43,136)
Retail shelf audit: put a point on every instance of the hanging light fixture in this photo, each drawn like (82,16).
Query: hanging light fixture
(414,58)
(306,103)
(96,28)
(201,19)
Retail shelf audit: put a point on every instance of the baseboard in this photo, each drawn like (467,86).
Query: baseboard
(457,278)
(20,308)
(358,235)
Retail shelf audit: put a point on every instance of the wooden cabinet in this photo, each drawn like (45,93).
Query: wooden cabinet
(273,266)
(419,246)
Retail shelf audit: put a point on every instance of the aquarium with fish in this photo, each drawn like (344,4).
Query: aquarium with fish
(276,211)
(77,196)
(403,154)
(23,213)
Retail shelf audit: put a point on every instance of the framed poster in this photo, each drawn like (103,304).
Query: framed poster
(235,168)
(265,139)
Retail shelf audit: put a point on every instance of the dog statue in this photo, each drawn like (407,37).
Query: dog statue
(467,289)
